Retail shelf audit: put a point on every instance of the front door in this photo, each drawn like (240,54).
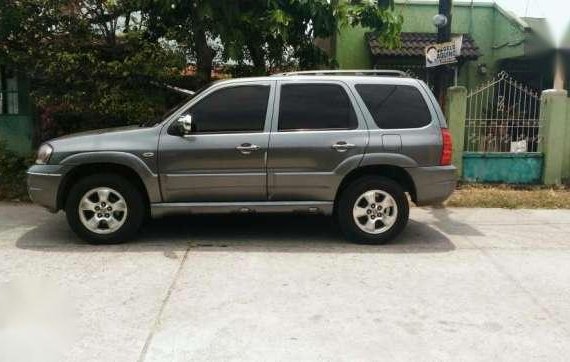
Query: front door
(318,136)
(223,158)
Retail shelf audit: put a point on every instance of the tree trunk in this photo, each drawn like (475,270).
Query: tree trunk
(257,55)
(204,56)
(128,22)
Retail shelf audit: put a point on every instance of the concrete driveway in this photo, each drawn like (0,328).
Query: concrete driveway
(459,284)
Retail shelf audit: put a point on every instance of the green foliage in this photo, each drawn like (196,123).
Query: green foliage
(97,63)
(84,72)
(13,174)
(383,19)
(106,86)
(273,34)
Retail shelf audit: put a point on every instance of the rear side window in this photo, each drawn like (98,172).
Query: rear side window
(233,109)
(395,106)
(315,107)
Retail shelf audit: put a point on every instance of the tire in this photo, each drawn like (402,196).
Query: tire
(116,221)
(364,222)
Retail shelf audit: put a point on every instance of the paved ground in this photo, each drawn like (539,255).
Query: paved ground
(460,284)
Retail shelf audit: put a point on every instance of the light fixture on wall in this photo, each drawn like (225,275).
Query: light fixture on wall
(439,20)
(482,69)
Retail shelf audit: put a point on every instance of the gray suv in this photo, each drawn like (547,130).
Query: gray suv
(349,144)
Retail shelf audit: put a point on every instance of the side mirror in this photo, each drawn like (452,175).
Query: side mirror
(185,123)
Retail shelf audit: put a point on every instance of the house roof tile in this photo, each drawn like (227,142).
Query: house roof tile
(413,45)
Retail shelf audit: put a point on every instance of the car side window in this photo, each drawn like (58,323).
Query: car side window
(234,109)
(315,107)
(395,106)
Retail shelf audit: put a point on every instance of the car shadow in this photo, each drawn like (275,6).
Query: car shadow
(256,233)
(449,225)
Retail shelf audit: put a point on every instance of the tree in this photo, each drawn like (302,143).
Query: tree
(272,33)
(86,69)
(96,62)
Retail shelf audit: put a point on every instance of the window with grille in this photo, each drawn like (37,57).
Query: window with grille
(9,97)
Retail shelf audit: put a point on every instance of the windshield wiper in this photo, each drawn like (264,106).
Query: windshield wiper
(189,95)
(174,88)
(149,122)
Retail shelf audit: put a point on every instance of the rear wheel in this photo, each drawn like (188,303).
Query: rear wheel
(105,209)
(372,210)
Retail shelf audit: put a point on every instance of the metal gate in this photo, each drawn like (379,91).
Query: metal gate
(502,133)
(502,116)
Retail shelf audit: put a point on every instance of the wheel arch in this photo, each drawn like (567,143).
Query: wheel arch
(84,170)
(395,173)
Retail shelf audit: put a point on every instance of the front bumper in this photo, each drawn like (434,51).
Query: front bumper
(434,184)
(43,184)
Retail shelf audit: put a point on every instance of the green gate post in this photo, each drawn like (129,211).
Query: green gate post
(455,112)
(566,161)
(553,133)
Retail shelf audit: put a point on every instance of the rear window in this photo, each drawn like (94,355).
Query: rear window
(395,106)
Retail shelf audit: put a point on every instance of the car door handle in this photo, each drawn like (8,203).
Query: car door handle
(342,146)
(247,148)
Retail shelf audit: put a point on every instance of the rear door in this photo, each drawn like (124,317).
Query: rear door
(317,134)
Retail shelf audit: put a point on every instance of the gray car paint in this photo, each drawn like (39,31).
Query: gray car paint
(132,140)
(301,167)
(208,166)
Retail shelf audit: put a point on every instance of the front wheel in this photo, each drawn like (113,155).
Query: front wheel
(373,210)
(104,209)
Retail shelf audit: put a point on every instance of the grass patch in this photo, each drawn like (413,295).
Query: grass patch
(510,197)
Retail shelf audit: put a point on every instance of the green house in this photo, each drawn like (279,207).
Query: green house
(494,40)
(16,127)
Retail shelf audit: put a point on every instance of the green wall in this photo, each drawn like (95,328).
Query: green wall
(498,35)
(352,51)
(16,132)
(512,168)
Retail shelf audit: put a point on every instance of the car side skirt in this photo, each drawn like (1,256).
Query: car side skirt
(312,207)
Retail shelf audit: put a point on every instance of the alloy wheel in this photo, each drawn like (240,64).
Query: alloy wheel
(375,212)
(102,210)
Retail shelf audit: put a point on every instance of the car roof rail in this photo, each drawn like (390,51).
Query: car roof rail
(376,72)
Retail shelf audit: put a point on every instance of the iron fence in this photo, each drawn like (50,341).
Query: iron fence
(503,115)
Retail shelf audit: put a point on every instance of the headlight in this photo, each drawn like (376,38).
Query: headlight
(44,153)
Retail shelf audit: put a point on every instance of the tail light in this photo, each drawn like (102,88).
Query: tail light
(447,149)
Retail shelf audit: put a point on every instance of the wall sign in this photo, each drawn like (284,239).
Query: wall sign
(443,53)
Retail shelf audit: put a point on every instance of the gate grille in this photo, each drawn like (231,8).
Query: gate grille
(502,116)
